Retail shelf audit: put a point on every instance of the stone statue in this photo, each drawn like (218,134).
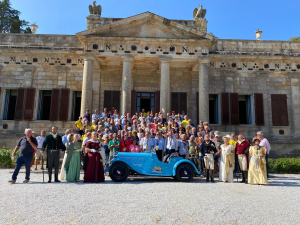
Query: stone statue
(95,9)
(199,13)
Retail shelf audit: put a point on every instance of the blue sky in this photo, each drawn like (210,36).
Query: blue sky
(227,19)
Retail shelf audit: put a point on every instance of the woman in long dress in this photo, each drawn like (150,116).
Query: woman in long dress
(226,161)
(72,165)
(62,175)
(257,173)
(94,172)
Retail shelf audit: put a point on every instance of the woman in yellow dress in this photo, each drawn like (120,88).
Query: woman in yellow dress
(257,173)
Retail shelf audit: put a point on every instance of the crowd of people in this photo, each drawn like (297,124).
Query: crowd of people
(97,138)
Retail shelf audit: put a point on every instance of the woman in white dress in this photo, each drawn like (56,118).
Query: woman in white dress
(62,175)
(226,161)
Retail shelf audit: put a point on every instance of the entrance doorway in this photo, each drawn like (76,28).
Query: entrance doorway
(145,100)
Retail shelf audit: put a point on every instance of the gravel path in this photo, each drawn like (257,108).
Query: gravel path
(149,201)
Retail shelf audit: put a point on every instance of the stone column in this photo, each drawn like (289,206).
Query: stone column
(87,86)
(203,92)
(126,85)
(165,88)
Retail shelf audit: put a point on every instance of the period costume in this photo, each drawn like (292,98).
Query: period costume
(72,165)
(208,149)
(257,173)
(93,166)
(62,174)
(227,159)
(242,150)
(53,145)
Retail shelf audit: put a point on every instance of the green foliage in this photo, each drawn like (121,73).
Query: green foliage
(5,159)
(285,165)
(9,19)
(295,39)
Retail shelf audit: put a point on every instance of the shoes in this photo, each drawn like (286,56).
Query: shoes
(12,181)
(35,168)
(57,181)
(42,168)
(25,181)
(49,181)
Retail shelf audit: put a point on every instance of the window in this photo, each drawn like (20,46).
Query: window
(279,110)
(76,105)
(10,104)
(44,104)
(245,109)
(145,101)
(213,109)
(238,109)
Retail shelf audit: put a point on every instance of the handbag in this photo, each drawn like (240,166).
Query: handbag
(246,151)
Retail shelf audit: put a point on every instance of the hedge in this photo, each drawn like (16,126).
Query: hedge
(285,165)
(5,159)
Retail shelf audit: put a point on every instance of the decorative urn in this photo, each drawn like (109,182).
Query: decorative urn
(258,34)
(33,28)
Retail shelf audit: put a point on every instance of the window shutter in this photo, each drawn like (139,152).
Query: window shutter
(112,98)
(54,105)
(29,104)
(157,101)
(179,102)
(108,100)
(259,109)
(174,101)
(19,104)
(283,110)
(234,103)
(197,104)
(225,109)
(133,102)
(64,104)
(116,100)
(275,110)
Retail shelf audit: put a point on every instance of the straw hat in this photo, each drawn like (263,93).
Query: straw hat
(227,136)
(255,139)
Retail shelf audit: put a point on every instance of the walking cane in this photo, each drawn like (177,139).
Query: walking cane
(43,168)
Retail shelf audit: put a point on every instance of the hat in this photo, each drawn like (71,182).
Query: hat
(173,111)
(255,139)
(217,135)
(227,136)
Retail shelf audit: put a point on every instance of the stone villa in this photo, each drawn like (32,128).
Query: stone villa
(148,61)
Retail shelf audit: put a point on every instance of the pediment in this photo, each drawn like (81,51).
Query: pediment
(145,25)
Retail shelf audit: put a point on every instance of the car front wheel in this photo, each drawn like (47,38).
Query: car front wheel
(185,172)
(118,172)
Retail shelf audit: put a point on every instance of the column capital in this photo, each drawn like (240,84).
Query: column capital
(88,57)
(204,59)
(164,59)
(126,57)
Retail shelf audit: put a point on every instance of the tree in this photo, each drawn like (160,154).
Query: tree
(9,19)
(295,39)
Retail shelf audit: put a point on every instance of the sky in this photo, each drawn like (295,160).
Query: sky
(227,19)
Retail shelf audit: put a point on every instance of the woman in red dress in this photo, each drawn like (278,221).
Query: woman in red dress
(94,172)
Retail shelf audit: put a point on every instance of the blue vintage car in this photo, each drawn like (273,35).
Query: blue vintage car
(148,164)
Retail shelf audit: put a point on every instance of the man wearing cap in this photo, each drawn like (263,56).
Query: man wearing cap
(241,150)
(53,145)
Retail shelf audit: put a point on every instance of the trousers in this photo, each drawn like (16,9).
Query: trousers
(20,161)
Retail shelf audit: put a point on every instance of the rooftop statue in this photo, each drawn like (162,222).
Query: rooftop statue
(199,13)
(95,9)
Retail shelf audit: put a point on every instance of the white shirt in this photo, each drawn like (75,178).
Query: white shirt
(40,141)
(171,143)
(147,144)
